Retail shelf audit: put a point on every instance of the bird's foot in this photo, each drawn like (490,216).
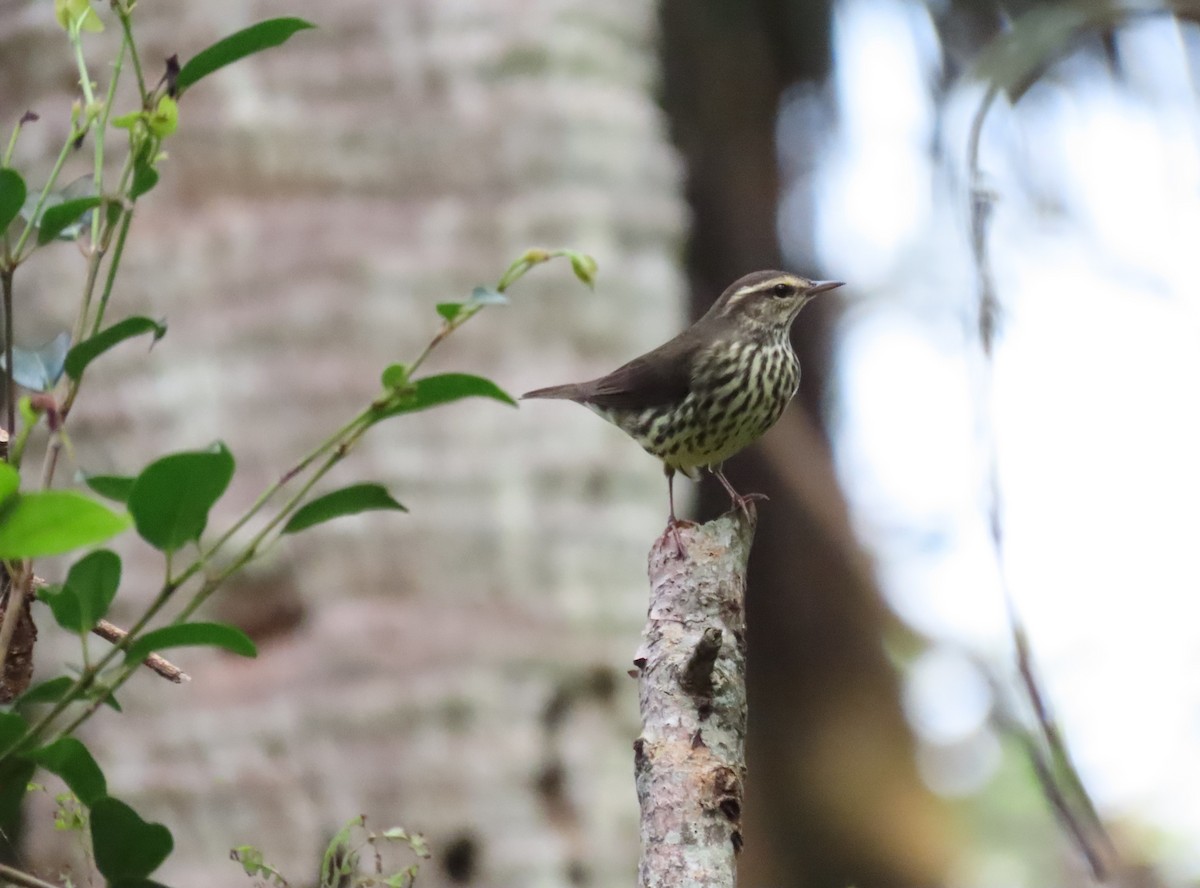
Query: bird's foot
(672,534)
(743,501)
(740,501)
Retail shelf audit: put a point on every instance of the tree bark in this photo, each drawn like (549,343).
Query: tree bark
(690,759)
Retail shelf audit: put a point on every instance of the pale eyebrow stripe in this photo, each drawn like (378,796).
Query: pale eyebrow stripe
(741,294)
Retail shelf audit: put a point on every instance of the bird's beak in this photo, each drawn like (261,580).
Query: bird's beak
(822,286)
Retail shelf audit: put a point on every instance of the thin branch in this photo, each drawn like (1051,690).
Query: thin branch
(157,662)
(115,634)
(1050,758)
(127,30)
(690,759)
(982,202)
(16,877)
(10,385)
(1092,836)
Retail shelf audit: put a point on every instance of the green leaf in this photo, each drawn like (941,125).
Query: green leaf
(85,352)
(83,600)
(51,522)
(10,480)
(70,760)
(254,864)
(192,635)
(64,605)
(12,196)
(246,42)
(15,774)
(102,693)
(125,846)
(94,579)
(12,726)
(91,585)
(583,265)
(113,487)
(55,219)
(405,878)
(395,376)
(79,14)
(127,121)
(39,369)
(28,413)
(347,501)
(165,118)
(449,310)
(47,692)
(444,388)
(145,177)
(171,498)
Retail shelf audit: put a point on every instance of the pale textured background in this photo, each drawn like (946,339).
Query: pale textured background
(318,201)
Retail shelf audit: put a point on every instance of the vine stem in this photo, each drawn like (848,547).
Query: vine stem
(41,201)
(100,227)
(251,548)
(118,251)
(352,431)
(12,142)
(1049,756)
(202,594)
(349,433)
(85,80)
(334,448)
(127,28)
(10,385)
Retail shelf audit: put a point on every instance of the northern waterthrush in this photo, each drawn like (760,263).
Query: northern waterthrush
(719,385)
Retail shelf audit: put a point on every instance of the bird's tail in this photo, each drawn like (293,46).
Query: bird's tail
(570,392)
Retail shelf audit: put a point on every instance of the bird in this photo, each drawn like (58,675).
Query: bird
(701,397)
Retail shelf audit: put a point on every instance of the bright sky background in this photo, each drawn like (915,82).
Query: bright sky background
(1092,399)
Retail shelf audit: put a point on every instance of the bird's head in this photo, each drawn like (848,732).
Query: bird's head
(768,299)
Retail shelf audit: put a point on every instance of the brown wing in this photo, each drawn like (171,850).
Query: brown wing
(657,377)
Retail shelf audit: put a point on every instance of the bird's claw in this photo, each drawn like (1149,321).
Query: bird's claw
(743,500)
(672,531)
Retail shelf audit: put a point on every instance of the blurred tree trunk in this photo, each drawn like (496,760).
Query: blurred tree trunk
(459,670)
(833,797)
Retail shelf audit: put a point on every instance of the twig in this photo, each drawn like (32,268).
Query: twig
(982,202)
(112,633)
(690,758)
(1082,818)
(16,877)
(10,385)
(157,662)
(1050,758)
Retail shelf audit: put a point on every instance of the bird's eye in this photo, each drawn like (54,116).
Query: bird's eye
(782,290)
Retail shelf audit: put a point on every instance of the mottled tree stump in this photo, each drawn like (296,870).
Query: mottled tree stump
(690,758)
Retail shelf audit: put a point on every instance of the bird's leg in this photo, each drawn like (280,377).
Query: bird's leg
(740,501)
(670,493)
(673,524)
